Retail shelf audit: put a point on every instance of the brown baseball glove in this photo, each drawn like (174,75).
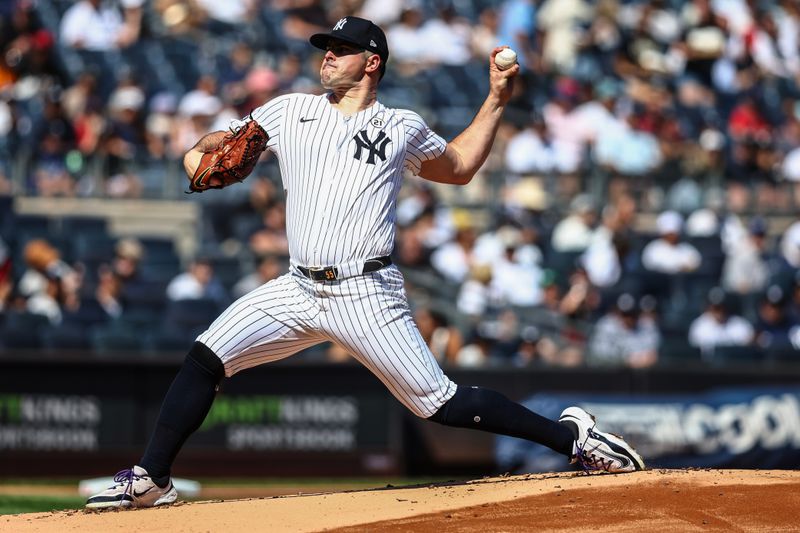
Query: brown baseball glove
(232,161)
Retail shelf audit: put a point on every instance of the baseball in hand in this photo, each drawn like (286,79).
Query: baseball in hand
(505,58)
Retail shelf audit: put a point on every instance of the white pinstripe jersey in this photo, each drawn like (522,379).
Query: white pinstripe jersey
(342,174)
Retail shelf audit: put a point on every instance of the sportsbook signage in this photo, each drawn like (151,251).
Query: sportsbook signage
(42,422)
(288,423)
(741,428)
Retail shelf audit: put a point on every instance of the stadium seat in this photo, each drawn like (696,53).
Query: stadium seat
(725,355)
(188,314)
(171,339)
(84,225)
(116,337)
(227,270)
(161,271)
(158,249)
(676,349)
(66,336)
(149,297)
(31,226)
(23,330)
(89,313)
(93,247)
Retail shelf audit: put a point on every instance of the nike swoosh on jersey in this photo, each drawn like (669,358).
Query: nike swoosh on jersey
(303,119)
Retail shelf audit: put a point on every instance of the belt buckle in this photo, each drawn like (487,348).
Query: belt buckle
(324,273)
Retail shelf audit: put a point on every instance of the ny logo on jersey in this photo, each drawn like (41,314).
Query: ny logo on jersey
(340,24)
(376,147)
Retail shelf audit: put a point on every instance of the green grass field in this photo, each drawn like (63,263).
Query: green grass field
(38,504)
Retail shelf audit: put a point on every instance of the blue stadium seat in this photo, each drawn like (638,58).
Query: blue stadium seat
(161,271)
(93,247)
(37,226)
(227,270)
(726,355)
(677,349)
(158,249)
(23,330)
(117,337)
(66,336)
(84,225)
(170,339)
(189,314)
(146,297)
(89,313)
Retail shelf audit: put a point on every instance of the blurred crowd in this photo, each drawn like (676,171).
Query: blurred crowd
(638,206)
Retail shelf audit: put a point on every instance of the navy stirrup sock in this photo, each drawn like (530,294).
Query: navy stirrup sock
(487,410)
(185,406)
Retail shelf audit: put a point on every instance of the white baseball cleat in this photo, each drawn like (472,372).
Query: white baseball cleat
(133,488)
(595,450)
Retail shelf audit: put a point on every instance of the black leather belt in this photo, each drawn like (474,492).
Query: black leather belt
(331,273)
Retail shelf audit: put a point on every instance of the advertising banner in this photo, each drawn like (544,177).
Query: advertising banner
(723,428)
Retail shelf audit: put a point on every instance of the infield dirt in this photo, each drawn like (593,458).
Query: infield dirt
(655,500)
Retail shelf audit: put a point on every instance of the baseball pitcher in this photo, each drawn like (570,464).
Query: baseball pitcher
(342,157)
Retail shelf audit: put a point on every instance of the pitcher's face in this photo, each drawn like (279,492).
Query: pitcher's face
(342,66)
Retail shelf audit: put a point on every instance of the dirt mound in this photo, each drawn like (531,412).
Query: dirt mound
(658,500)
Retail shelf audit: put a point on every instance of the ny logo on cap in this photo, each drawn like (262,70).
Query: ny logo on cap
(340,24)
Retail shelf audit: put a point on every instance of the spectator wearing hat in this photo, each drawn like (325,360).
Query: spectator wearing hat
(454,259)
(514,280)
(790,245)
(536,150)
(564,122)
(773,326)
(124,139)
(48,284)
(622,337)
(97,25)
(228,15)
(405,40)
(746,270)
(444,339)
(446,37)
(197,111)
(476,295)
(527,352)
(629,149)
(197,282)
(54,137)
(574,232)
(608,249)
(128,254)
(716,326)
(159,124)
(667,254)
(269,268)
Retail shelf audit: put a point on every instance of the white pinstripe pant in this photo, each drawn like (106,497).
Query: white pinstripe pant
(368,315)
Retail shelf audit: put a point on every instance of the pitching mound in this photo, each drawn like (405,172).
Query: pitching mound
(658,500)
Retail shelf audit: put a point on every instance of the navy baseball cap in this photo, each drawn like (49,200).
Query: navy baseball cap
(358,32)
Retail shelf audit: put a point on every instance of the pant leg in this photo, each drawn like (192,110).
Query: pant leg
(369,316)
(270,323)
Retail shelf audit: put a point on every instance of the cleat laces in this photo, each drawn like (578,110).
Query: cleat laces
(125,477)
(588,460)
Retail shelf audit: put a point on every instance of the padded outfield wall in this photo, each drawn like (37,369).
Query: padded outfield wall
(88,415)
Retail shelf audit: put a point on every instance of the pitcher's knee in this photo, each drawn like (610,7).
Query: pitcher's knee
(205,359)
(467,407)
(425,405)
